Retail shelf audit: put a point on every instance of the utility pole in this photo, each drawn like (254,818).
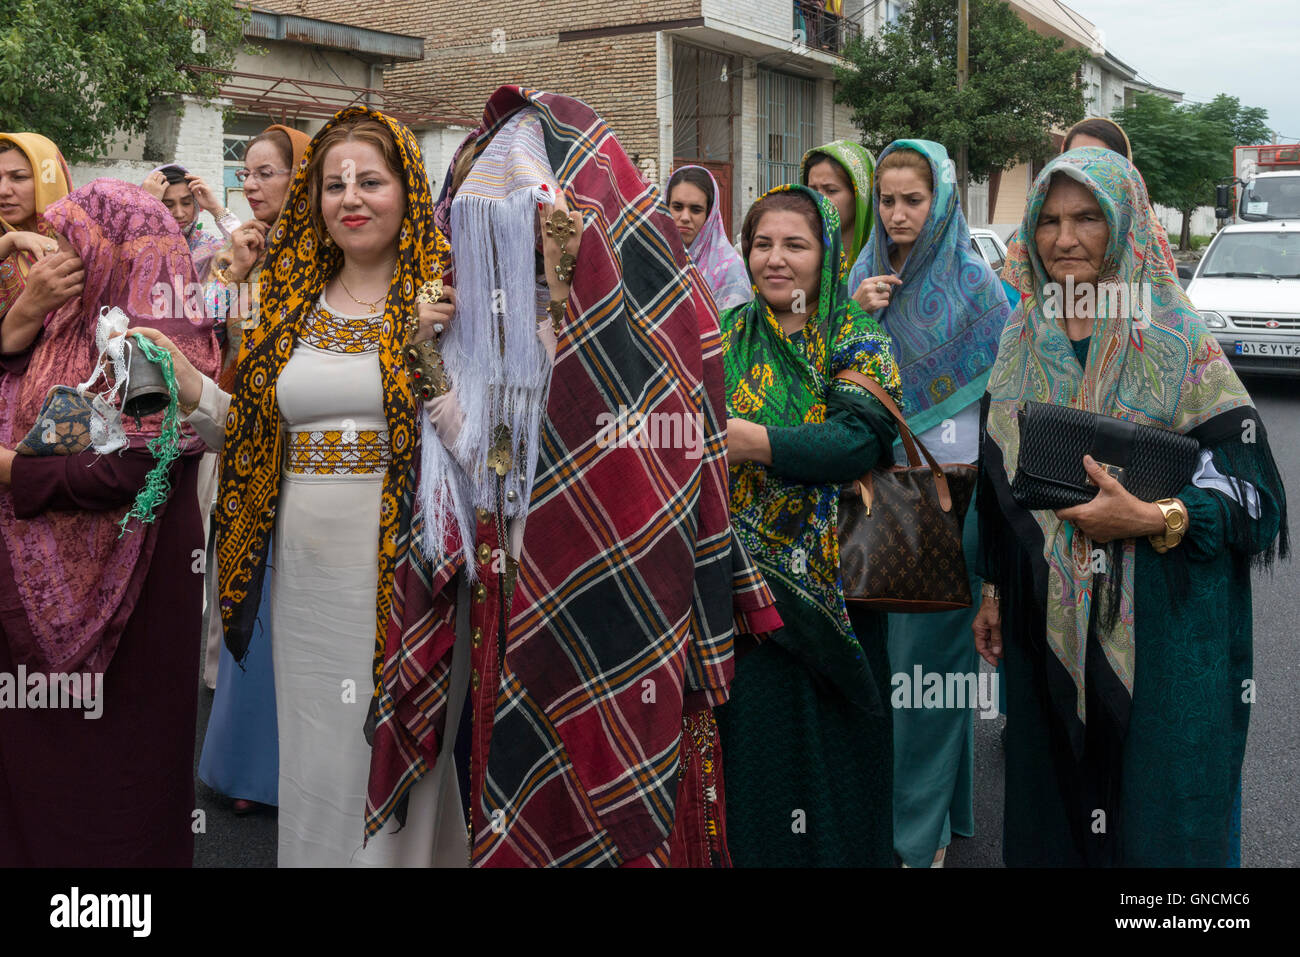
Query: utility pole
(963,74)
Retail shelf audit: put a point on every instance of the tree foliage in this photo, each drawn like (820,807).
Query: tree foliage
(79,71)
(1184,150)
(903,83)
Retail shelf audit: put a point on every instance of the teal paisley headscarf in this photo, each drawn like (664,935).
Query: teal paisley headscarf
(945,319)
(1155,364)
(777,380)
(856,161)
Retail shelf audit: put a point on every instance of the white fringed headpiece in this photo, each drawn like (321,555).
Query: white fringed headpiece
(492,355)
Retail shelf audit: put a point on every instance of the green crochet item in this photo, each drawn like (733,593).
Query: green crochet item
(165,448)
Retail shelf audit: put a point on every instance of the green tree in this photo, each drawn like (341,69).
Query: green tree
(79,71)
(903,83)
(1184,150)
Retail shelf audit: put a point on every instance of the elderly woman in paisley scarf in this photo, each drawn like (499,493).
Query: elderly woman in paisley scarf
(90,594)
(843,172)
(572,470)
(1128,672)
(695,203)
(36,277)
(806,735)
(320,443)
(943,309)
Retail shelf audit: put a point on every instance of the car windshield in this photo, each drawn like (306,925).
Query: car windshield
(1271,198)
(1253,255)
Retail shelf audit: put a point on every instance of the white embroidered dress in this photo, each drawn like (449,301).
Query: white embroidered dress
(323,596)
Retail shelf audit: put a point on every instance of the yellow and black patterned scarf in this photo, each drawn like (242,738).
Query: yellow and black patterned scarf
(297,268)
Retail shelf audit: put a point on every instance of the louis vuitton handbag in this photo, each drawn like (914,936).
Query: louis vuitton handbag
(900,528)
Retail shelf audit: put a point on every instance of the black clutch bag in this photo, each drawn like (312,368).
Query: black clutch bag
(1150,462)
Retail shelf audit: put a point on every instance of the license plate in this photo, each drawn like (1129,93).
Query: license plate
(1268,349)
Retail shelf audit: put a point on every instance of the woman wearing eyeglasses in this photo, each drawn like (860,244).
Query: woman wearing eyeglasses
(269,163)
(240,757)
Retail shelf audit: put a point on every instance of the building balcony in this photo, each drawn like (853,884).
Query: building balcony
(820,29)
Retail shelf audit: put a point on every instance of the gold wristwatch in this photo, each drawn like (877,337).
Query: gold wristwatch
(1175,525)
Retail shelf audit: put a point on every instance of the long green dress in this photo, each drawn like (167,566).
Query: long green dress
(806,735)
(1128,671)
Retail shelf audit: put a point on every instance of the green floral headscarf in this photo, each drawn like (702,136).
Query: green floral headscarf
(776,380)
(856,161)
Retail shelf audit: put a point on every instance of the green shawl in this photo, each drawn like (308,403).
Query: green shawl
(789,527)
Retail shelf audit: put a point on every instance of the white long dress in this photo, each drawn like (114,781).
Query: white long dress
(323,596)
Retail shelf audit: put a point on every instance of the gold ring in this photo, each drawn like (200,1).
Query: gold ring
(881,287)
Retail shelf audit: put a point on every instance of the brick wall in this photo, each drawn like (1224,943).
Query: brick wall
(471,50)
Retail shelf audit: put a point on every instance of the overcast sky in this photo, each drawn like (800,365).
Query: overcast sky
(1206,47)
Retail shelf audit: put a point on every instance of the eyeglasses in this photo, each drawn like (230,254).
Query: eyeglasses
(258,175)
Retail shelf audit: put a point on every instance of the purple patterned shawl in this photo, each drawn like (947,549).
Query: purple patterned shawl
(77,579)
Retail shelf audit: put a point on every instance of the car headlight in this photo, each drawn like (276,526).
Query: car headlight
(1213,319)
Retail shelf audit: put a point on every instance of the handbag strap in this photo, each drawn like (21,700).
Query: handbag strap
(910,442)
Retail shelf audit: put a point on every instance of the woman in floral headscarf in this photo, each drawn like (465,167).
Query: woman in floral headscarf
(320,444)
(695,203)
(843,172)
(1125,671)
(806,735)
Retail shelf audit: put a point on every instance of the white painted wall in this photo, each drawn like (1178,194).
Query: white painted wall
(769,18)
(747,155)
(664,107)
(1203,222)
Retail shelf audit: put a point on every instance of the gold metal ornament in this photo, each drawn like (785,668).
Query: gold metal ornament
(564,268)
(424,365)
(430,292)
(560,227)
(556,308)
(499,459)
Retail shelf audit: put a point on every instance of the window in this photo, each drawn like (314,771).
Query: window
(989,250)
(892,10)
(703,103)
(786,126)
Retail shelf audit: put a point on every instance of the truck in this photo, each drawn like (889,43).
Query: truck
(1265,186)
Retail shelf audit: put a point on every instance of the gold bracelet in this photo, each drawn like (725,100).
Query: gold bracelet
(1175,525)
(990,590)
(424,365)
(186,408)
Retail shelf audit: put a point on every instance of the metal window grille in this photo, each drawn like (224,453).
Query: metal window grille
(786,126)
(703,103)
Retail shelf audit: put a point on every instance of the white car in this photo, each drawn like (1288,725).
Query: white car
(988,245)
(1247,289)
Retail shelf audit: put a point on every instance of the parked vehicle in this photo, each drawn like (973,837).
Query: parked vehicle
(1247,289)
(988,245)
(1266,185)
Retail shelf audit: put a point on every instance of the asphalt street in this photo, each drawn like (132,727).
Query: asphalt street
(1271,795)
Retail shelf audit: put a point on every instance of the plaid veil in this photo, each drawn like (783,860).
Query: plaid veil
(629,570)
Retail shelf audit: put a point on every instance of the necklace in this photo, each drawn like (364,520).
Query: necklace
(372,306)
